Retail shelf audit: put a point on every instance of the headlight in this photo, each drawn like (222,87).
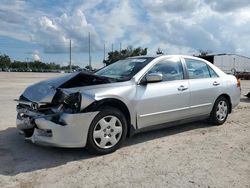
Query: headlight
(71,101)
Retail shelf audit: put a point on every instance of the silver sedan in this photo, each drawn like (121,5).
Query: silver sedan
(98,111)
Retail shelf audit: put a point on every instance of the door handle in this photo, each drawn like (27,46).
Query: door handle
(182,88)
(216,83)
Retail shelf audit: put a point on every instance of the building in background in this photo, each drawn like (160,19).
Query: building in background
(229,63)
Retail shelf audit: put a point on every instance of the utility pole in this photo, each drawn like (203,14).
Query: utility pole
(120,47)
(104,52)
(27,63)
(112,47)
(70,68)
(90,67)
(234,62)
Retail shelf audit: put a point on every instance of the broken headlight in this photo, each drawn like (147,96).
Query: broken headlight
(71,101)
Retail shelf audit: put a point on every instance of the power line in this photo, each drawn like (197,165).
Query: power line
(70,68)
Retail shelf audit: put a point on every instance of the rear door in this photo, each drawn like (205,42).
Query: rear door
(204,85)
(163,101)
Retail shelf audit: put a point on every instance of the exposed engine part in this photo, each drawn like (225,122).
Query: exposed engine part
(71,102)
(86,79)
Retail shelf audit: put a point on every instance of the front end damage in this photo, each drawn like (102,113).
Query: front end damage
(61,121)
(58,124)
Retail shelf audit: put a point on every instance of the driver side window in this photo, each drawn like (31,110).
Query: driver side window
(170,70)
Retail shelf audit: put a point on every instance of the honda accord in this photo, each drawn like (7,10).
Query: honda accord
(98,111)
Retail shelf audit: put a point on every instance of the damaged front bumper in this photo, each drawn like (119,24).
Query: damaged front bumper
(69,130)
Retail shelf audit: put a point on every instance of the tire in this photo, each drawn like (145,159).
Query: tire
(220,111)
(107,131)
(28,132)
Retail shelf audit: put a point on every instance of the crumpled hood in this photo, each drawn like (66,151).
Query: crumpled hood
(43,92)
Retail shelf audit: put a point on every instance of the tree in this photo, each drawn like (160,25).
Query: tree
(159,51)
(18,65)
(73,67)
(5,61)
(129,52)
(35,66)
(203,53)
(88,67)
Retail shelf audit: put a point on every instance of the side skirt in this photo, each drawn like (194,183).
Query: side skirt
(134,131)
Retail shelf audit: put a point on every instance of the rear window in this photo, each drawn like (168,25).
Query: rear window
(197,69)
(213,74)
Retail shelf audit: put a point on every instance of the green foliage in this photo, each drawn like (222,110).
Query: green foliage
(159,51)
(88,67)
(129,52)
(4,61)
(35,66)
(73,67)
(203,53)
(38,66)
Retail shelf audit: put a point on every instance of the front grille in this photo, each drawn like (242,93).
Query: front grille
(24,106)
(24,103)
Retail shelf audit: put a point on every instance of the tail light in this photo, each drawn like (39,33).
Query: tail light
(238,83)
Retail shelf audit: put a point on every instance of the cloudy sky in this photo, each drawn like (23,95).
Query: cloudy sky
(41,30)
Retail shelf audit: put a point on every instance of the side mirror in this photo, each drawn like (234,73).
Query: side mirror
(153,77)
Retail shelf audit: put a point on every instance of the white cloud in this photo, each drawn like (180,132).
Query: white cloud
(116,22)
(12,15)
(168,48)
(53,34)
(199,26)
(183,26)
(228,5)
(88,4)
(160,7)
(36,55)
(22,21)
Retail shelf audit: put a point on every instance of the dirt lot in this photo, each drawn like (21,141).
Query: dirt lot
(192,155)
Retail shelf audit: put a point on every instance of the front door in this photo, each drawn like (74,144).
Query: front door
(163,101)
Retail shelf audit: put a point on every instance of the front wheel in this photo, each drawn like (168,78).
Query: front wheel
(107,131)
(220,111)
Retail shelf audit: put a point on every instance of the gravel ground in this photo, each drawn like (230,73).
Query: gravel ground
(191,155)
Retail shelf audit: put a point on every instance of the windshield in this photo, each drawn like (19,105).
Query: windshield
(124,70)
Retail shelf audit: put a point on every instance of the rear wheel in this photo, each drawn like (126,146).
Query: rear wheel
(107,131)
(220,111)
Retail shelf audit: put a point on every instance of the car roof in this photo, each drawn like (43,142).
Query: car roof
(163,55)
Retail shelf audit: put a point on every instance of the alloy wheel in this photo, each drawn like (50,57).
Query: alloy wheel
(221,111)
(107,132)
